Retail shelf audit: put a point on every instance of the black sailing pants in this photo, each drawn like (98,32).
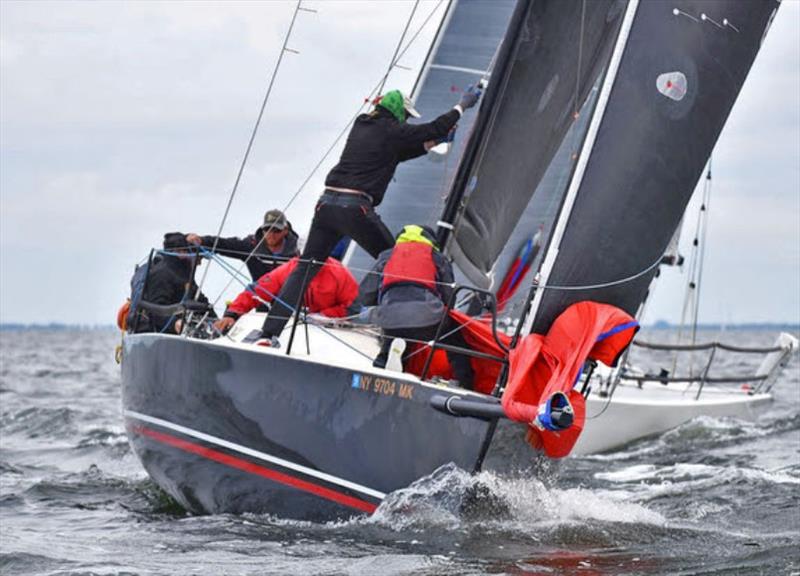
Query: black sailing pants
(337,215)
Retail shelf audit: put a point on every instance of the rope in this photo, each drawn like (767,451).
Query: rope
(605,407)
(236,275)
(604,284)
(441,336)
(252,139)
(249,286)
(313,322)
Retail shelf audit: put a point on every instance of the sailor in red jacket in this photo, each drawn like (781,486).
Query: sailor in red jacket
(329,293)
(411,284)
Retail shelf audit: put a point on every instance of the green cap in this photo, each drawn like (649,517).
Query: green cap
(398,105)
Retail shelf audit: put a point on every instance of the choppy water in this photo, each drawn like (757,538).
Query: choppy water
(712,497)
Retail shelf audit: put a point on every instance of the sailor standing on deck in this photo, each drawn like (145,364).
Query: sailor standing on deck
(377,143)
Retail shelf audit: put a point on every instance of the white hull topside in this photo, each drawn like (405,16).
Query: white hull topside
(633,412)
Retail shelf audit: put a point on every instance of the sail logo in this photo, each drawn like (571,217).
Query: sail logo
(673,85)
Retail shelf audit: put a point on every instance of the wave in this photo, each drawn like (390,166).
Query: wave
(451,498)
(40,422)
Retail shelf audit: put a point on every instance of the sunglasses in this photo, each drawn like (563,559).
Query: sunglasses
(267,229)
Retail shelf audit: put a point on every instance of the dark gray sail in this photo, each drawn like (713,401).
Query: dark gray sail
(680,65)
(560,50)
(461,54)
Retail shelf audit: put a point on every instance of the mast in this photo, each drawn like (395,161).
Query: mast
(461,54)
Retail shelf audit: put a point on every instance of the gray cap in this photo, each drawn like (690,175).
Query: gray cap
(275,220)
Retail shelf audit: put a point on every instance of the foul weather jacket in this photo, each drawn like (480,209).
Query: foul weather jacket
(408,304)
(330,293)
(264,260)
(377,143)
(169,282)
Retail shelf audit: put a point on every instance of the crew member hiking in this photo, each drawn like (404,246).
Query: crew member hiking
(377,143)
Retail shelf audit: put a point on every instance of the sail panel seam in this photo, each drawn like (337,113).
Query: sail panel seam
(459,69)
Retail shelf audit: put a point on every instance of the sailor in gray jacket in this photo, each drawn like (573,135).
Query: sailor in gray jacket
(411,284)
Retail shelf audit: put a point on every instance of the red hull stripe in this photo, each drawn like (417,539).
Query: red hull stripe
(246,466)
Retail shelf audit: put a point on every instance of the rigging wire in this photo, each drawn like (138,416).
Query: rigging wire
(692,292)
(395,58)
(393,61)
(705,209)
(344,130)
(252,139)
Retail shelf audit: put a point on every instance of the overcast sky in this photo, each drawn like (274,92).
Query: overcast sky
(122,121)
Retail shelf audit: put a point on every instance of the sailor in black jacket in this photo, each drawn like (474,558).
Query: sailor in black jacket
(273,243)
(377,143)
(169,281)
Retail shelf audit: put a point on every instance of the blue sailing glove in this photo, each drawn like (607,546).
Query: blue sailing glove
(469,98)
(449,137)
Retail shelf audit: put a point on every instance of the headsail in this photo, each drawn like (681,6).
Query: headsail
(559,50)
(680,68)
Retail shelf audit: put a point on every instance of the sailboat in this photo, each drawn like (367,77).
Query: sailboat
(596,122)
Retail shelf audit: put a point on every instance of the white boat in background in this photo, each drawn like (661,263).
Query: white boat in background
(627,404)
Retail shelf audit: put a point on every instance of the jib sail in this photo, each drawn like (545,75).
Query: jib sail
(675,75)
